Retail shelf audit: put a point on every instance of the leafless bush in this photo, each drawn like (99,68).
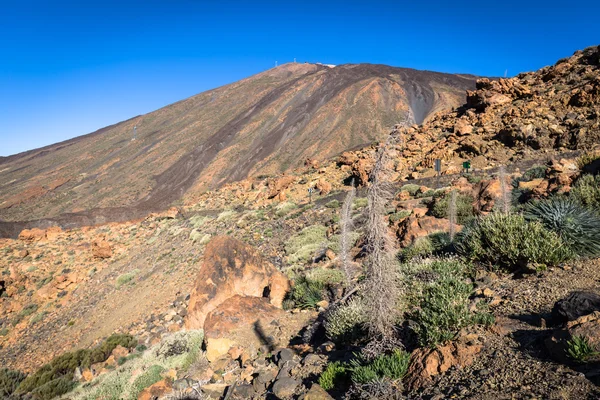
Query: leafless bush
(346,229)
(504,200)
(381,290)
(452,215)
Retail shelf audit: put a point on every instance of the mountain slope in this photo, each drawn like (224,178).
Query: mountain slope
(267,124)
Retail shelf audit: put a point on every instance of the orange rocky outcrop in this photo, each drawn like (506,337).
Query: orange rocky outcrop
(232,268)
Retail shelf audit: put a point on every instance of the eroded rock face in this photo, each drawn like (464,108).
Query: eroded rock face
(413,228)
(32,234)
(232,268)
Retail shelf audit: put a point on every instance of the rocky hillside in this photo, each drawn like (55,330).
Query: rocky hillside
(268,123)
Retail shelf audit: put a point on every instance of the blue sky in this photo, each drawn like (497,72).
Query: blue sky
(69,68)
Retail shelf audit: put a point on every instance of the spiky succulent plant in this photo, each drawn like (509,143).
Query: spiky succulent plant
(578,227)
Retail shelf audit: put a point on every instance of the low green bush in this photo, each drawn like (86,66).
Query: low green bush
(344,324)
(333,204)
(578,227)
(421,247)
(360,202)
(511,242)
(442,308)
(325,276)
(125,278)
(333,376)
(587,191)
(398,215)
(9,381)
(411,188)
(393,366)
(148,378)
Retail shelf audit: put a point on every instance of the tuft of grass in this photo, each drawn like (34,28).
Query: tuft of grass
(125,278)
(411,188)
(344,324)
(306,293)
(360,202)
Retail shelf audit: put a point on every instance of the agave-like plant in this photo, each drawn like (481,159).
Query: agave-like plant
(578,227)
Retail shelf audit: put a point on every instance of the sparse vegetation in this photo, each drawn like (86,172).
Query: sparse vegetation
(285,208)
(226,215)
(346,242)
(360,202)
(125,278)
(9,382)
(333,204)
(411,188)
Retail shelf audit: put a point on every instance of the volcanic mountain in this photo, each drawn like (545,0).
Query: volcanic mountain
(266,124)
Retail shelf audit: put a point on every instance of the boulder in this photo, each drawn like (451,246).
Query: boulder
(462,128)
(426,363)
(323,186)
(575,305)
(156,391)
(53,233)
(232,268)
(316,392)
(284,388)
(278,185)
(102,249)
(487,192)
(31,235)
(249,323)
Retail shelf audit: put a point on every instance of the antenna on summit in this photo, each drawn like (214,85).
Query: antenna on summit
(294,60)
(275,64)
(505,72)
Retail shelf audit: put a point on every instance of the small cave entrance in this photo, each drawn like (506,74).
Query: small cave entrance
(266,292)
(2,288)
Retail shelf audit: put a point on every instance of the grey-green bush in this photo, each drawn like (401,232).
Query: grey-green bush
(587,191)
(464,207)
(511,242)
(345,323)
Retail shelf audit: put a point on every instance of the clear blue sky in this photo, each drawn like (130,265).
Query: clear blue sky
(69,68)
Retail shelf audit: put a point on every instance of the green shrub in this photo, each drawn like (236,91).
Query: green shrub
(302,247)
(392,366)
(578,227)
(398,215)
(587,191)
(54,388)
(411,188)
(511,242)
(421,247)
(4,331)
(125,278)
(333,204)
(306,293)
(580,350)
(345,323)
(197,221)
(335,245)
(325,276)
(334,374)
(587,159)
(464,207)
(443,306)
(148,378)
(9,381)
(360,202)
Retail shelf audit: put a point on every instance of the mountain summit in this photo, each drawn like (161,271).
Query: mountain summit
(266,124)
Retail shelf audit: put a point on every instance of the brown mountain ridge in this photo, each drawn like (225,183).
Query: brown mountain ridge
(266,124)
